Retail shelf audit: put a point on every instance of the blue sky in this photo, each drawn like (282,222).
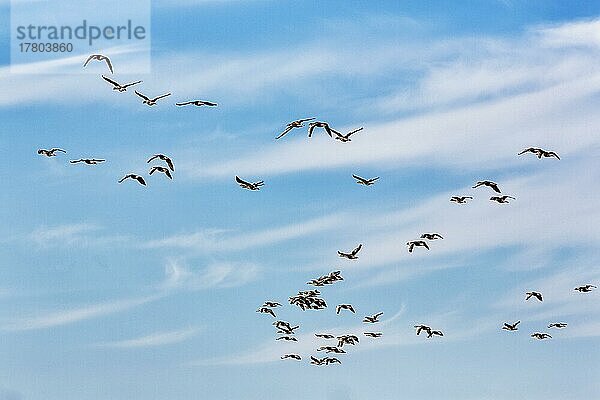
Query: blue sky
(125,292)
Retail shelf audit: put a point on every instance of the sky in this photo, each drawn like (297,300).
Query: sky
(118,291)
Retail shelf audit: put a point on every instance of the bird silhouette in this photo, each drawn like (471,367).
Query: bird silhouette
(292,356)
(344,307)
(539,152)
(161,169)
(99,57)
(363,181)
(502,199)
(416,243)
(460,199)
(249,185)
(132,176)
(540,336)
(490,184)
(319,124)
(537,295)
(89,161)
(558,325)
(163,158)
(431,236)
(197,103)
(511,327)
(345,138)
(118,86)
(299,123)
(266,310)
(373,334)
(372,319)
(352,255)
(151,101)
(585,288)
(51,152)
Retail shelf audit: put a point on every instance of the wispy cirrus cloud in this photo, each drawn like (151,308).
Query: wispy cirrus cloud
(153,339)
(216,275)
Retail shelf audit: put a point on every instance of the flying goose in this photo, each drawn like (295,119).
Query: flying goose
(266,310)
(345,138)
(431,333)
(431,236)
(51,152)
(460,199)
(317,361)
(347,339)
(331,360)
(489,184)
(352,255)
(89,161)
(287,338)
(271,304)
(331,349)
(509,327)
(502,199)
(163,158)
(118,86)
(249,185)
(344,307)
(421,328)
(292,355)
(138,178)
(585,288)
(319,124)
(416,243)
(372,319)
(558,325)
(373,334)
(163,170)
(287,330)
(151,102)
(99,57)
(324,335)
(299,123)
(539,152)
(197,103)
(540,336)
(363,181)
(537,295)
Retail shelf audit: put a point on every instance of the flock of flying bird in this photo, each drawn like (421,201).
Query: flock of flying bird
(311,299)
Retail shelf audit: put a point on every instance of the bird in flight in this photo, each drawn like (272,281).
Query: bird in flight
(138,178)
(148,101)
(558,325)
(347,339)
(372,319)
(344,307)
(416,243)
(324,335)
(490,184)
(89,161)
(537,295)
(540,336)
(511,327)
(99,57)
(266,310)
(197,103)
(163,158)
(163,170)
(373,334)
(331,360)
(249,185)
(352,255)
(421,328)
(319,124)
(540,153)
(331,349)
(460,199)
(299,123)
(287,338)
(118,86)
(501,199)
(585,288)
(345,138)
(363,181)
(51,152)
(431,333)
(292,356)
(271,304)
(317,361)
(431,236)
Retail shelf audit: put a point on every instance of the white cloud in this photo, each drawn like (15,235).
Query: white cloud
(219,275)
(154,339)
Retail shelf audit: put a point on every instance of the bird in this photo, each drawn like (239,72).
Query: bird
(345,138)
(511,327)
(344,307)
(421,328)
(99,57)
(558,325)
(539,152)
(151,102)
(363,181)
(271,304)
(331,349)
(164,170)
(541,336)
(347,339)
(287,338)
(249,185)
(489,184)
(431,236)
(537,295)
(585,288)
(324,335)
(352,255)
(292,356)
(502,199)
(163,158)
(319,124)
(431,333)
(118,86)
(317,361)
(331,360)
(138,178)
(371,319)
(266,310)
(287,330)
(197,103)
(89,161)
(299,123)
(460,199)
(373,334)
(51,152)
(416,243)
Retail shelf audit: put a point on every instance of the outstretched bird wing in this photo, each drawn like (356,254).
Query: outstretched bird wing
(241,181)
(161,96)
(130,84)
(356,250)
(141,95)
(358,178)
(282,134)
(114,83)
(185,103)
